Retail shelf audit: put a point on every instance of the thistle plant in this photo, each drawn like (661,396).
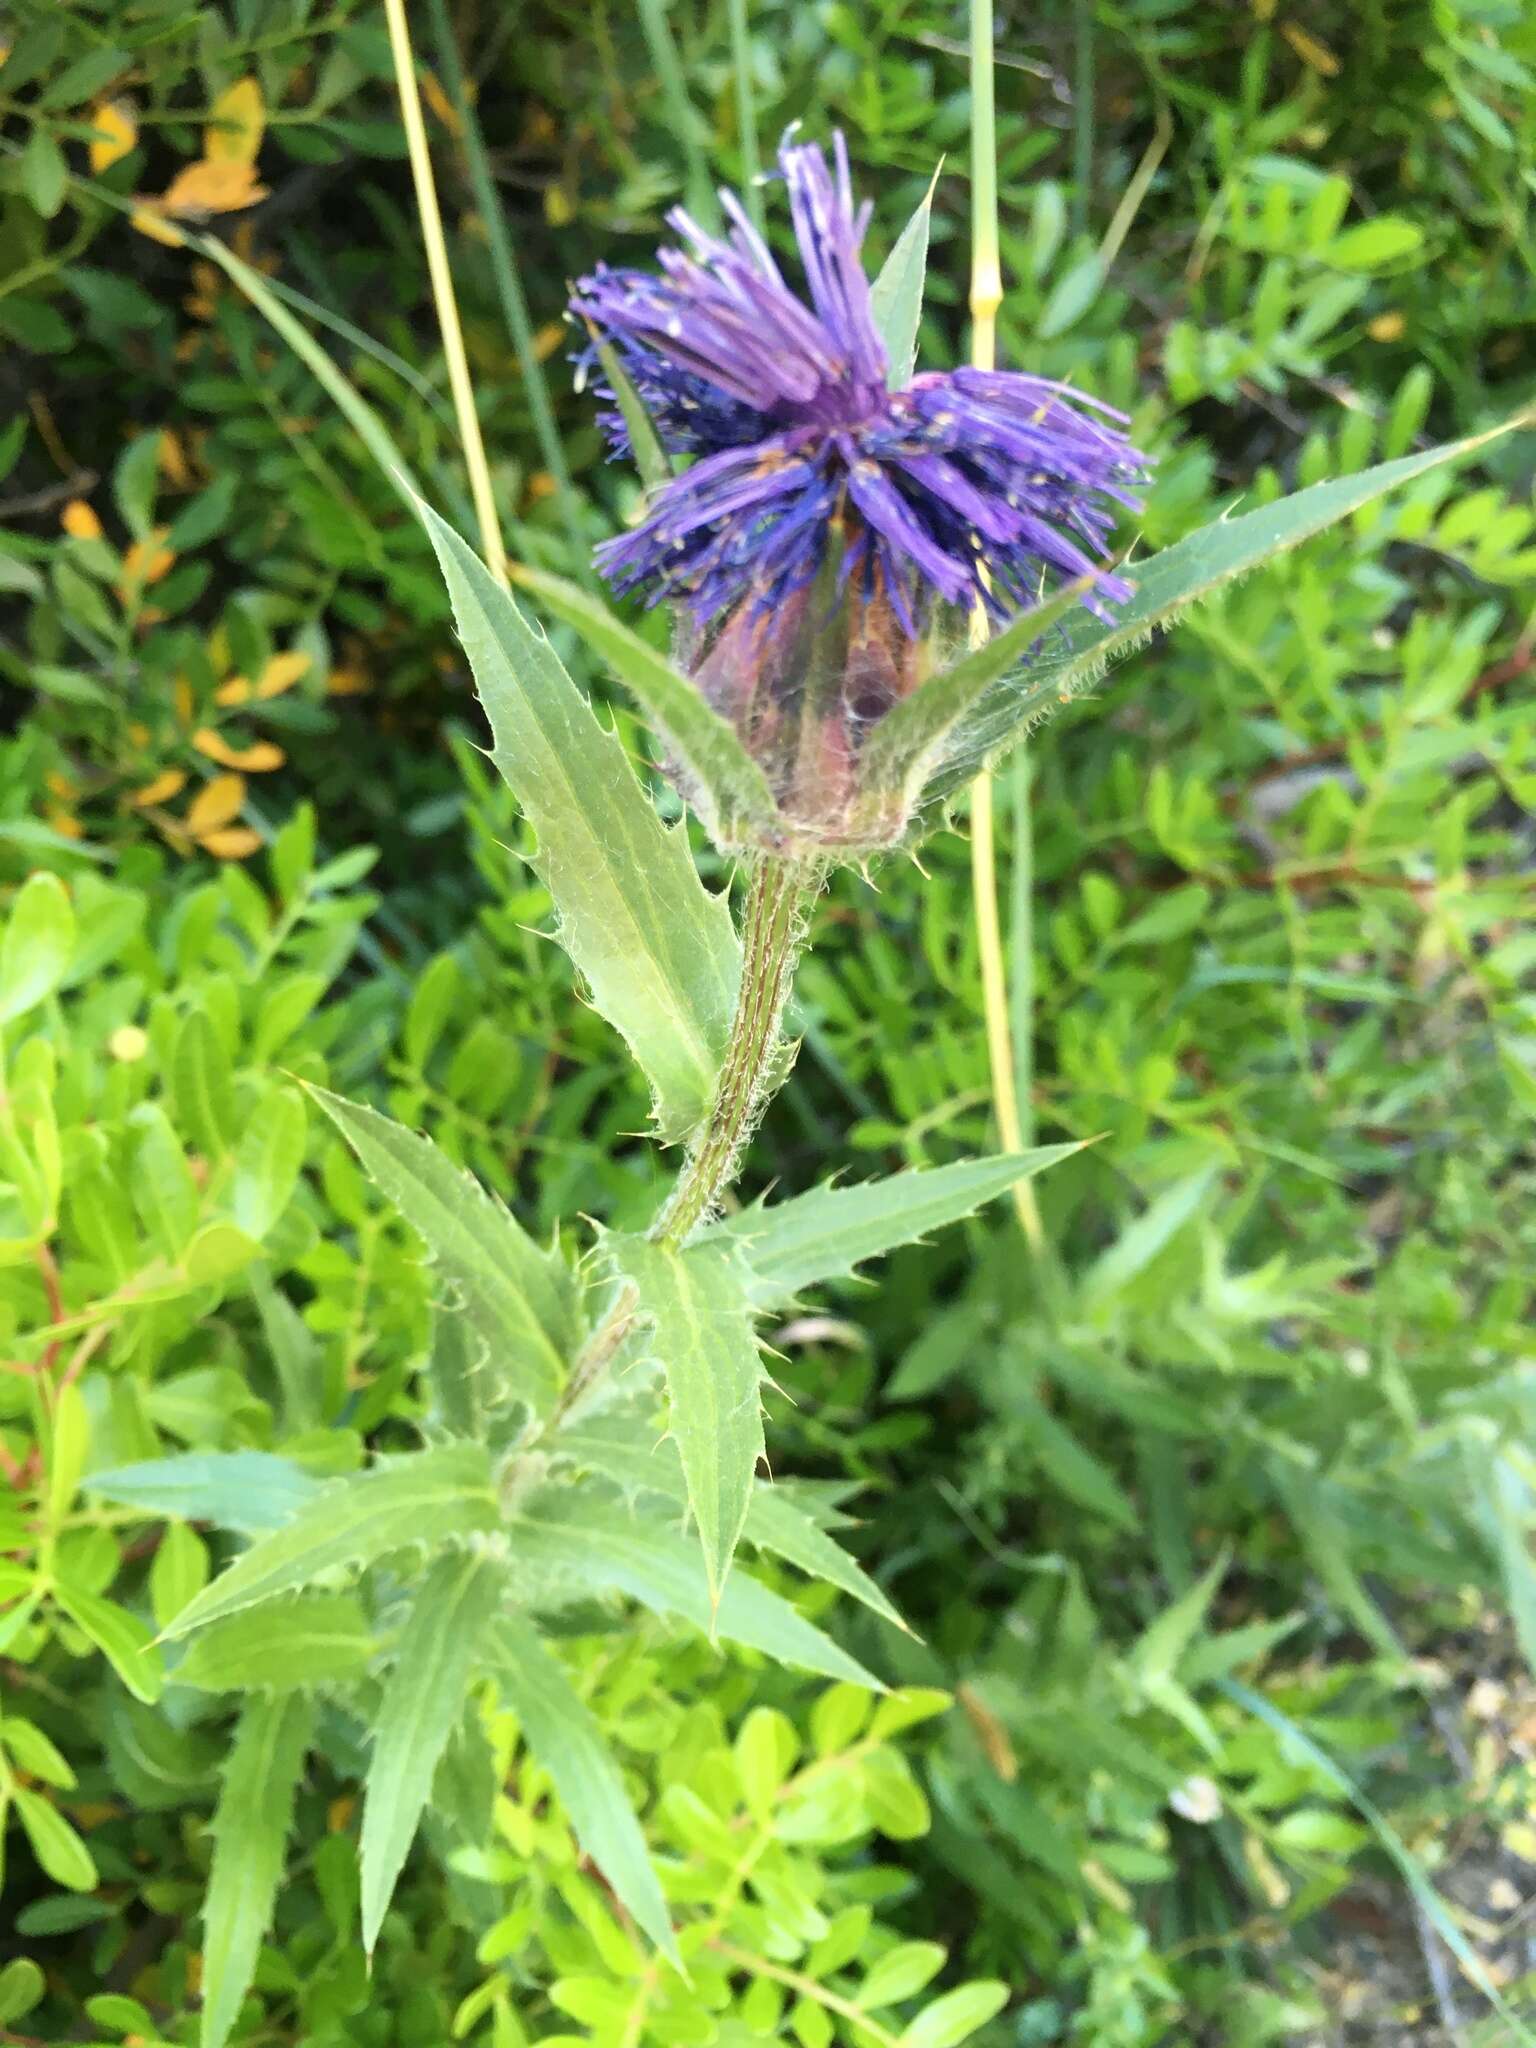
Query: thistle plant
(593,1426)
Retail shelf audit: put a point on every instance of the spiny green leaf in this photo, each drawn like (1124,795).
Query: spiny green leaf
(896,296)
(658,952)
(774,1523)
(250,1831)
(623,1449)
(422,1703)
(914,731)
(439,1496)
(701,1329)
(729,786)
(314,1639)
(826,1234)
(577,1550)
(519,1298)
(1166,585)
(564,1736)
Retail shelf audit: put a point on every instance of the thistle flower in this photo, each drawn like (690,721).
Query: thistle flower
(830,536)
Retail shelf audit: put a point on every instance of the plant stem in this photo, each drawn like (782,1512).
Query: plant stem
(509,284)
(681,112)
(746,114)
(441,273)
(1003,1032)
(773,929)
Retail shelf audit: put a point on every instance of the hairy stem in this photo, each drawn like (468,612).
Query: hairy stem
(773,929)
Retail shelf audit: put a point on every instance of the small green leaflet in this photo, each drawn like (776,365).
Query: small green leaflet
(826,1234)
(250,1830)
(658,952)
(604,1550)
(120,1636)
(423,1700)
(896,296)
(730,788)
(566,1739)
(701,1330)
(1164,586)
(623,1450)
(438,1496)
(35,950)
(314,1639)
(520,1300)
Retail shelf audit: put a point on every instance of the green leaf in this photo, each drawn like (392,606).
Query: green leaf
(956,2016)
(644,442)
(22,1985)
(566,1739)
(203,1085)
(121,1638)
(268,1160)
(896,296)
(250,1832)
(44,173)
(728,785)
(59,1850)
(438,1496)
(774,1523)
(702,1332)
(901,1973)
(314,1639)
(1371,244)
(39,938)
(1139,1244)
(1074,1471)
(908,737)
(1164,586)
(624,1450)
(251,1491)
(1157,1651)
(598,1550)
(519,1299)
(421,1706)
(658,952)
(828,1233)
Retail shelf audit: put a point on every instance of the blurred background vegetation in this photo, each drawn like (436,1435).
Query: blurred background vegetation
(1216,1521)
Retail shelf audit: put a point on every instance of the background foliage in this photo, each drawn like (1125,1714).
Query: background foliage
(1216,1524)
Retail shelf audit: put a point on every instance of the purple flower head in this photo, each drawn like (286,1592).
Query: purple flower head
(829,536)
(968,485)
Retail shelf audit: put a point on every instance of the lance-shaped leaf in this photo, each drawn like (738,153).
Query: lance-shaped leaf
(423,1700)
(314,1639)
(651,458)
(658,952)
(1165,585)
(826,1234)
(250,1830)
(251,1491)
(560,1730)
(623,1449)
(440,1496)
(577,1549)
(519,1299)
(731,789)
(701,1331)
(896,296)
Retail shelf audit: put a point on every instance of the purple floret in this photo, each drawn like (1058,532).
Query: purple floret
(968,485)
